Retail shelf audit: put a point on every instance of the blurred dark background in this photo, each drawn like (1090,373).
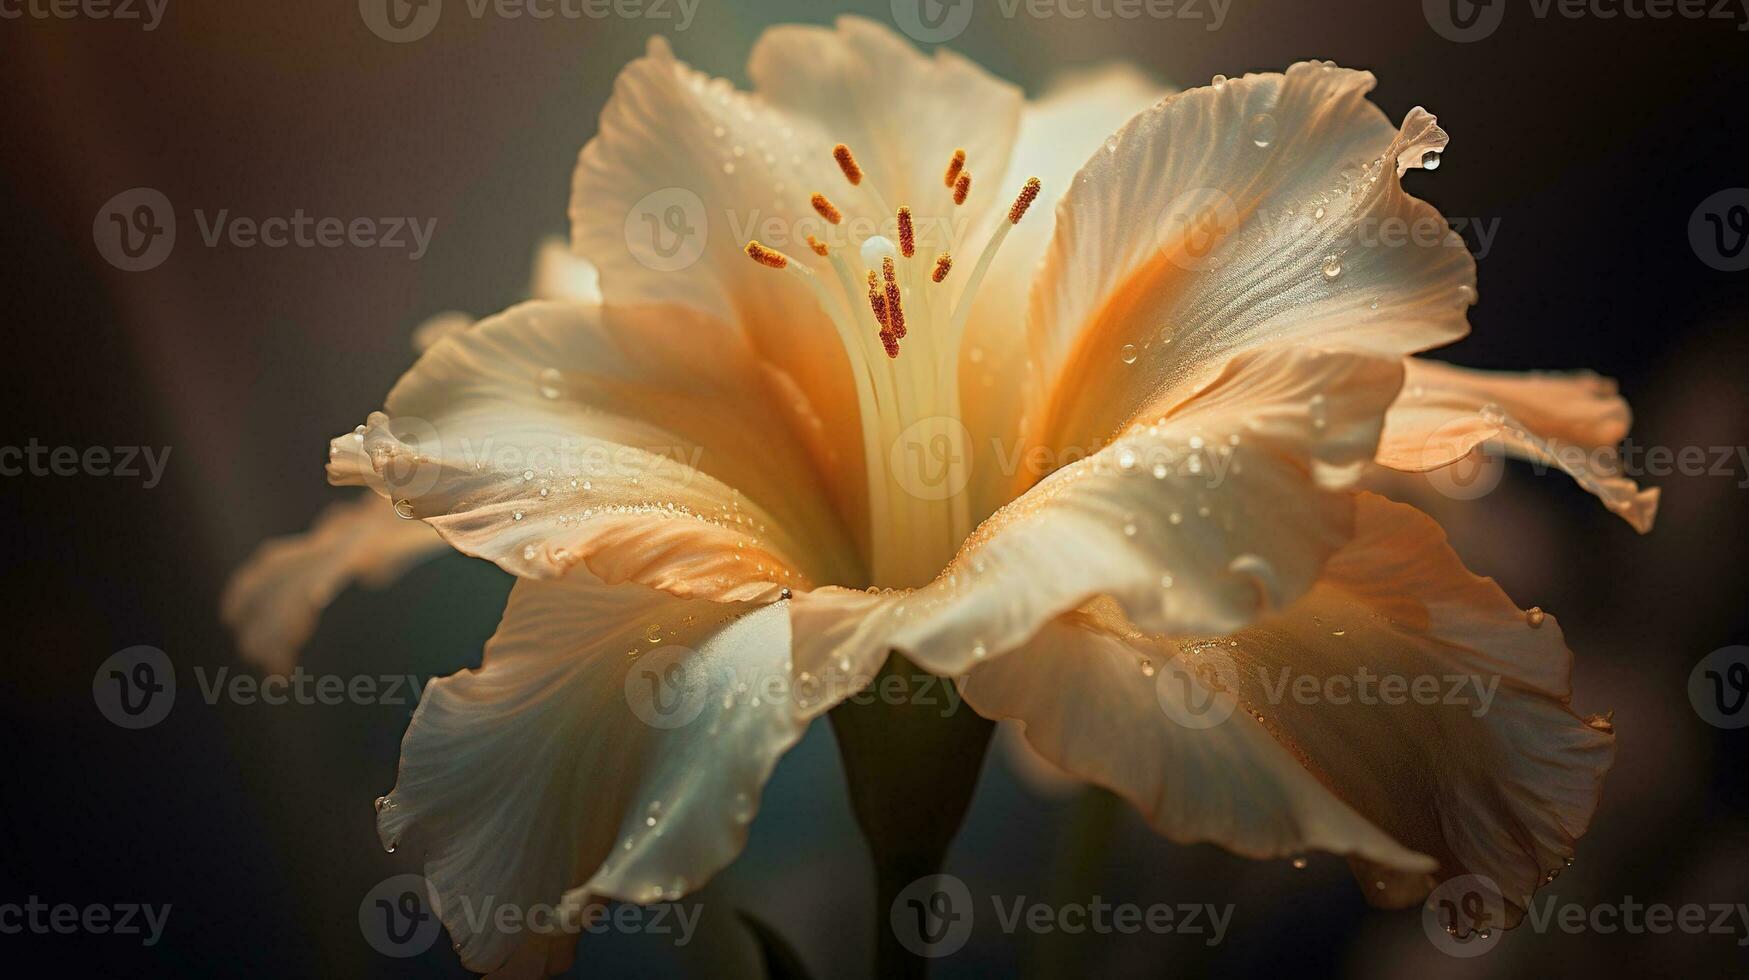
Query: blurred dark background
(1585,144)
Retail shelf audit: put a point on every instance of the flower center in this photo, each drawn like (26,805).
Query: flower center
(891,301)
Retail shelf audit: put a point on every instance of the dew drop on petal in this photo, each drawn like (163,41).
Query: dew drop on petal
(1430,160)
(1263,129)
(1535,616)
(550,380)
(1299,863)
(1128,354)
(404,509)
(1332,267)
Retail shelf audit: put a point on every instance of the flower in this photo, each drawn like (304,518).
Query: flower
(1100,469)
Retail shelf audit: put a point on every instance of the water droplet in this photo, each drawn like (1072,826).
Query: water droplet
(1535,616)
(527,476)
(1175,517)
(1129,529)
(1338,633)
(1466,296)
(1430,160)
(1128,354)
(384,803)
(1160,471)
(1299,863)
(1318,213)
(1166,581)
(550,380)
(544,491)
(1147,667)
(390,847)
(529,551)
(516,515)
(404,509)
(1332,267)
(979,651)
(1492,414)
(1319,410)
(1263,129)
(1126,459)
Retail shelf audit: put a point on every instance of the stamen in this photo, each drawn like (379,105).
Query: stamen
(1024,201)
(891,343)
(907,234)
(895,311)
(954,167)
(847,163)
(943,263)
(766,256)
(818,246)
(877,301)
(826,209)
(962,187)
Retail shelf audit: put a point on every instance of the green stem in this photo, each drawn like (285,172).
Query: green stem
(911,769)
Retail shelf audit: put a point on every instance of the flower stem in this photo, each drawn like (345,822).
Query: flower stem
(911,763)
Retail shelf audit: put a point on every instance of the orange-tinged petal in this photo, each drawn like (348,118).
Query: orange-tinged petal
(1568,420)
(1498,784)
(274,598)
(640,443)
(1231,217)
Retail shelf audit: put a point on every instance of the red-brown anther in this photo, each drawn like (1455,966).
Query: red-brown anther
(943,263)
(1024,201)
(907,234)
(954,167)
(877,301)
(847,163)
(962,187)
(818,246)
(826,209)
(895,311)
(890,342)
(766,256)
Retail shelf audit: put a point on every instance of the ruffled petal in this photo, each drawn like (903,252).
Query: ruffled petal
(1109,705)
(636,442)
(583,758)
(1487,768)
(1571,421)
(1197,521)
(1260,211)
(274,598)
